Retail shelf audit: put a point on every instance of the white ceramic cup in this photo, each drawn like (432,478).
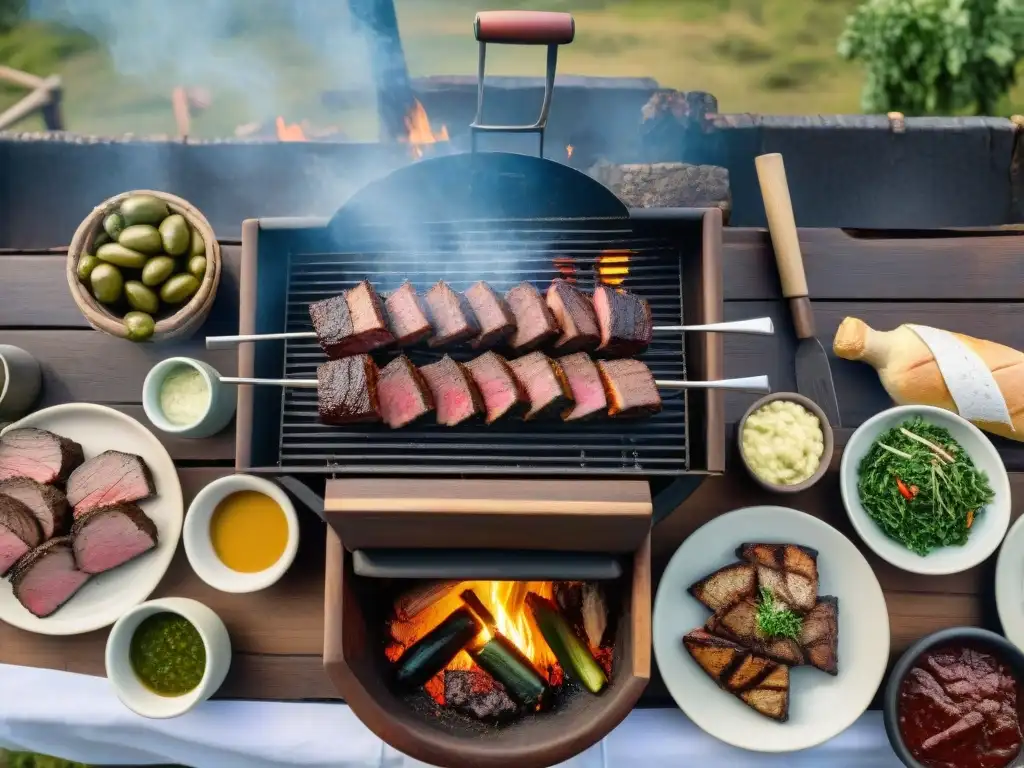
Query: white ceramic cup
(132,693)
(223,399)
(199,548)
(20,382)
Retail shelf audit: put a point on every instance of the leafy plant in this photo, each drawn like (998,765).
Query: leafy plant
(10,13)
(935,56)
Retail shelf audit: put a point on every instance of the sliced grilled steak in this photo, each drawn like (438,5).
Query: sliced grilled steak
(350,324)
(109,537)
(585,385)
(535,325)
(624,320)
(39,455)
(502,393)
(574,312)
(404,396)
(492,314)
(738,622)
(19,532)
(545,385)
(630,388)
(406,318)
(347,390)
(450,314)
(47,577)
(112,477)
(366,310)
(455,395)
(48,505)
(819,637)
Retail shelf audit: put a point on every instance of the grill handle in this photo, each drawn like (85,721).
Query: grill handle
(520,28)
(485,564)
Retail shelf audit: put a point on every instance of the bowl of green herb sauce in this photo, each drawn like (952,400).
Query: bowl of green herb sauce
(166,656)
(925,489)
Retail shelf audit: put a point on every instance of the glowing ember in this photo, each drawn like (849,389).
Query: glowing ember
(289,132)
(566,267)
(420,133)
(613,267)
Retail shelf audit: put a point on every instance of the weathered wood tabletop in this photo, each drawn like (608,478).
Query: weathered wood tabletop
(972,282)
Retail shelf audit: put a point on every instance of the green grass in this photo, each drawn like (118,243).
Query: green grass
(765,56)
(32,760)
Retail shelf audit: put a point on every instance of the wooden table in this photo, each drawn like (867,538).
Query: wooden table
(278,634)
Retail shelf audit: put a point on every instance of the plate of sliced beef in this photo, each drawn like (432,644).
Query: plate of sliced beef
(90,516)
(771,629)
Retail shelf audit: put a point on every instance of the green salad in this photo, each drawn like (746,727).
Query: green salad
(921,488)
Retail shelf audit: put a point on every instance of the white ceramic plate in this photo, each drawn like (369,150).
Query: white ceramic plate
(1010,585)
(986,533)
(820,706)
(104,599)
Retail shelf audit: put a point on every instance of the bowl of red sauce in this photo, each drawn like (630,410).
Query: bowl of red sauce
(955,699)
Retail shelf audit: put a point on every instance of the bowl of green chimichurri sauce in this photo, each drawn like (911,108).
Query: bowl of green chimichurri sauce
(166,656)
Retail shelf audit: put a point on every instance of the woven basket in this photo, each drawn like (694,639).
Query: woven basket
(183,323)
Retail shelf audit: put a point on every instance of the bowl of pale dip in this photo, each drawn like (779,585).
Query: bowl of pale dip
(186,397)
(786,442)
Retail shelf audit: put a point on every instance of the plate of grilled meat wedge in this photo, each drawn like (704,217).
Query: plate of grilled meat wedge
(771,630)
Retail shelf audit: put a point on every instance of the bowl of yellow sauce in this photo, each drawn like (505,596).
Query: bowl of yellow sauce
(241,533)
(166,656)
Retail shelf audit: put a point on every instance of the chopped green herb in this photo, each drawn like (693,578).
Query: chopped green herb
(921,487)
(775,619)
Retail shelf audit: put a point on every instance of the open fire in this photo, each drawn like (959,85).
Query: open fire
(420,133)
(496,650)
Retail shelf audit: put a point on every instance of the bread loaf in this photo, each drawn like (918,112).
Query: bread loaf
(911,376)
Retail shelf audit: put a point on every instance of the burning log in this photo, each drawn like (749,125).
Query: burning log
(570,651)
(668,185)
(421,597)
(478,695)
(435,650)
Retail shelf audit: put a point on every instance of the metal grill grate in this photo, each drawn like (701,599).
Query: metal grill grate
(504,255)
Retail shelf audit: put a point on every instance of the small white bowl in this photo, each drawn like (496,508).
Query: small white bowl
(199,547)
(986,533)
(223,399)
(132,693)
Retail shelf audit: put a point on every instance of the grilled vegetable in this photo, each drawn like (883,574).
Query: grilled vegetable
(432,652)
(508,666)
(143,209)
(179,289)
(570,651)
(106,283)
(142,238)
(121,256)
(140,326)
(140,297)
(157,269)
(175,235)
(86,265)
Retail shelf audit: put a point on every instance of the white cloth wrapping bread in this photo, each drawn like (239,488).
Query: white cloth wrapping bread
(969,380)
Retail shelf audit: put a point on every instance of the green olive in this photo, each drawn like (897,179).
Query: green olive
(198,244)
(117,254)
(106,282)
(179,289)
(86,264)
(143,238)
(101,238)
(197,266)
(140,297)
(143,209)
(175,234)
(113,225)
(140,326)
(157,269)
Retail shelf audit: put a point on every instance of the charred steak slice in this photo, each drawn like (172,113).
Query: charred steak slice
(624,320)
(47,577)
(819,637)
(19,532)
(492,314)
(726,585)
(369,325)
(535,325)
(406,318)
(404,396)
(738,622)
(574,313)
(455,395)
(630,388)
(452,318)
(350,324)
(788,570)
(112,477)
(39,455)
(545,385)
(585,385)
(333,326)
(111,536)
(48,505)
(347,390)
(498,385)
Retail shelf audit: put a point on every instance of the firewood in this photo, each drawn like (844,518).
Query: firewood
(668,185)
(421,597)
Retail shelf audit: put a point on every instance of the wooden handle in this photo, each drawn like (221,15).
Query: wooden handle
(524,27)
(779,207)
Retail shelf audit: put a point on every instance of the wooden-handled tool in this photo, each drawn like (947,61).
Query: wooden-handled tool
(813,374)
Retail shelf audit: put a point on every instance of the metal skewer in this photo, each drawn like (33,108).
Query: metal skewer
(758,384)
(758,326)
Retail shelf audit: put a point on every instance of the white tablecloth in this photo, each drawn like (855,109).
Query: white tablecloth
(78,717)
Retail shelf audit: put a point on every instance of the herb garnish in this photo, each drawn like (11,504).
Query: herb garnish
(775,619)
(921,487)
